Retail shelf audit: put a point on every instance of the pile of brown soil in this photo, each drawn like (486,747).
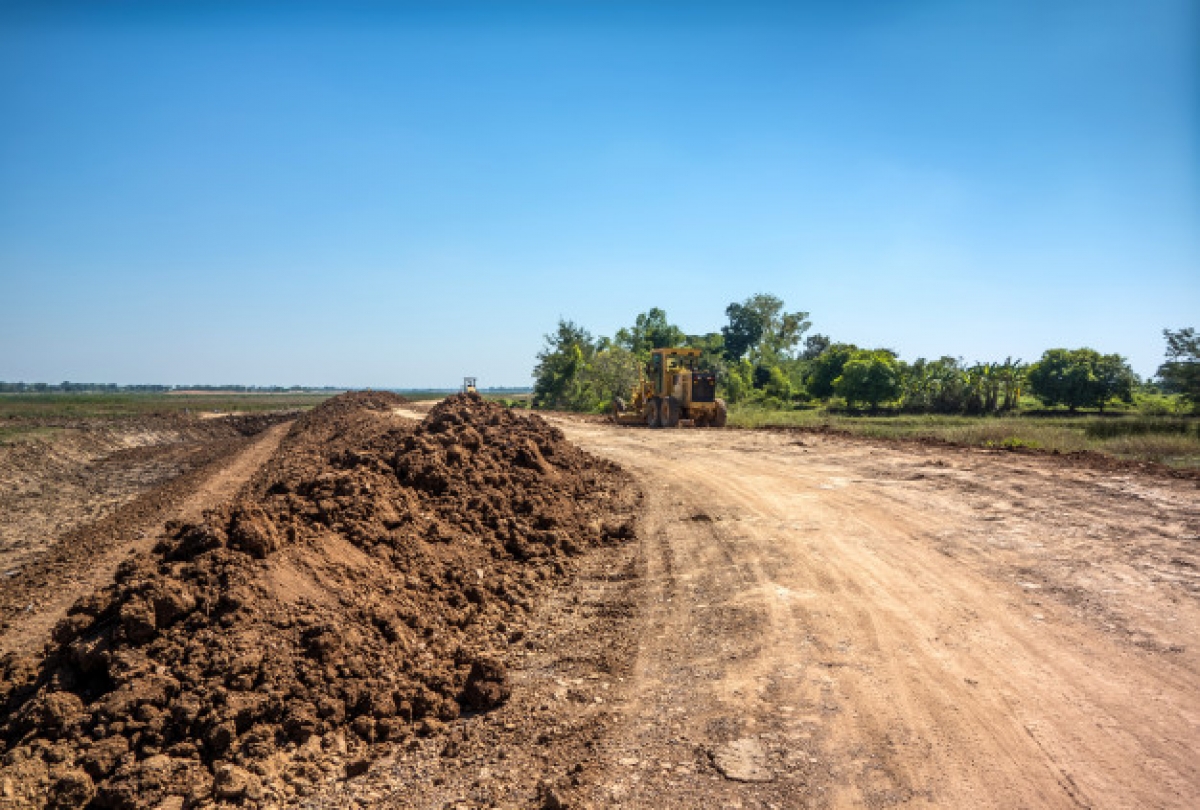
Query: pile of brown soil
(362,588)
(73,501)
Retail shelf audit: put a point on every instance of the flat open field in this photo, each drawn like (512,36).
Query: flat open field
(800,621)
(1170,440)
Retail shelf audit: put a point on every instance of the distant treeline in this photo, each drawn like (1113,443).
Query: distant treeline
(764,358)
(482,389)
(113,388)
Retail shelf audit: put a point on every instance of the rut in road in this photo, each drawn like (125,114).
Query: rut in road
(845,624)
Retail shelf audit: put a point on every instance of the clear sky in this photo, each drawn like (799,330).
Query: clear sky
(397,195)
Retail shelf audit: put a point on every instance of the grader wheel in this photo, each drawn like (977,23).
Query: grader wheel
(669,412)
(652,413)
(719,415)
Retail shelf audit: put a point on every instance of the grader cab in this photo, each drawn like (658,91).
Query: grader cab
(672,390)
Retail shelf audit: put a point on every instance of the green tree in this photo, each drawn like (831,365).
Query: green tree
(613,372)
(737,381)
(949,387)
(712,349)
(744,330)
(1180,374)
(814,346)
(1060,378)
(826,368)
(1081,378)
(650,331)
(775,383)
(914,385)
(1012,380)
(1114,380)
(760,324)
(869,376)
(983,388)
(783,334)
(944,385)
(560,379)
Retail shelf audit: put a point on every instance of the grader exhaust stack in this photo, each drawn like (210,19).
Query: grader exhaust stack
(671,391)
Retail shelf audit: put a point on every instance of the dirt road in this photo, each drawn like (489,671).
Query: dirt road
(812,621)
(838,623)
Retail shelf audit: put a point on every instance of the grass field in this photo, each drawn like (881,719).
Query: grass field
(26,415)
(1169,440)
(81,406)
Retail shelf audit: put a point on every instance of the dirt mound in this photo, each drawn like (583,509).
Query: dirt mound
(71,493)
(363,587)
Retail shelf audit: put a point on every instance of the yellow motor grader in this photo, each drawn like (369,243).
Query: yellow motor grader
(671,391)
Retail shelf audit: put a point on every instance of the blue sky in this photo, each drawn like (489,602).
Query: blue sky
(399,195)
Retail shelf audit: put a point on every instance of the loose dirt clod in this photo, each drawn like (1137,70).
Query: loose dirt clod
(368,579)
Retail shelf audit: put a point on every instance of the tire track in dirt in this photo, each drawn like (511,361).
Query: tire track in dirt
(873,637)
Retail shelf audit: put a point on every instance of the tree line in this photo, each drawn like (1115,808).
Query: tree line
(764,356)
(113,388)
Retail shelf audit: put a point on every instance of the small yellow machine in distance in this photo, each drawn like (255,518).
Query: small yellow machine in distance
(671,391)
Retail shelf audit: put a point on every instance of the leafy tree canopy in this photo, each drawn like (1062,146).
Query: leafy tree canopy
(613,372)
(1180,374)
(869,376)
(759,324)
(559,381)
(1081,378)
(814,346)
(826,368)
(712,350)
(744,330)
(650,331)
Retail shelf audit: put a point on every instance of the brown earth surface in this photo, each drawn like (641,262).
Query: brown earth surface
(803,621)
(74,507)
(83,469)
(814,621)
(361,588)
(839,623)
(823,622)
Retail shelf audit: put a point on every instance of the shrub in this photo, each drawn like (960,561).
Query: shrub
(1081,378)
(869,376)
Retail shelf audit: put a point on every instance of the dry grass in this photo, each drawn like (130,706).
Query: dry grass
(1170,441)
(24,433)
(1174,449)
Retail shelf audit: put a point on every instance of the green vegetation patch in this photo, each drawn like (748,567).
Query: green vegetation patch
(772,375)
(1112,428)
(1175,442)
